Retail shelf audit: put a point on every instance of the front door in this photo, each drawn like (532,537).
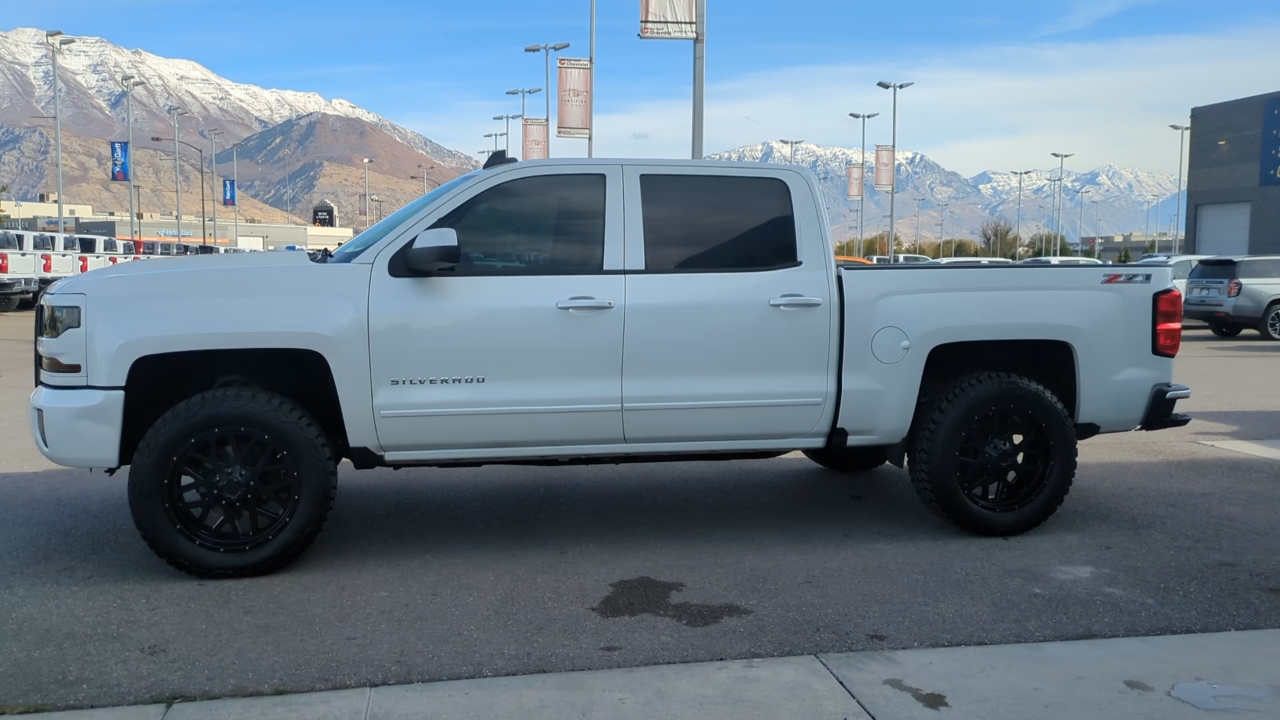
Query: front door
(520,345)
(729,319)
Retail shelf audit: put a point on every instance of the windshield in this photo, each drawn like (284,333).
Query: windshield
(358,244)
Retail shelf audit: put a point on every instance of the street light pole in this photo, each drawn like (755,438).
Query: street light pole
(367,210)
(919,205)
(591,99)
(942,228)
(1062,160)
(54,45)
(699,75)
(1157,237)
(1177,218)
(177,170)
(1044,228)
(1021,174)
(129,82)
(792,144)
(1080,224)
(524,93)
(508,118)
(235,180)
(1097,240)
(862,158)
(213,181)
(893,170)
(547,50)
(288,187)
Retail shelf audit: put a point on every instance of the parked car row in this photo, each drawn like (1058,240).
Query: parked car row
(32,261)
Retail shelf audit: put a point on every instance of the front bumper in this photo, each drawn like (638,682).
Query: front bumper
(1160,414)
(17,286)
(77,427)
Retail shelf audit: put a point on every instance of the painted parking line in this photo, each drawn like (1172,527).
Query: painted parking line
(1269,449)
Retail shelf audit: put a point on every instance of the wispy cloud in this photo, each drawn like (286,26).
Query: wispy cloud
(1085,13)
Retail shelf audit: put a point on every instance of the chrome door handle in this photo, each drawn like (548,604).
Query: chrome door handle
(584,303)
(795,301)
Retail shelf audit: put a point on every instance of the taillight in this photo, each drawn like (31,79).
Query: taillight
(1233,288)
(113,261)
(1166,335)
(84,264)
(48,263)
(4,263)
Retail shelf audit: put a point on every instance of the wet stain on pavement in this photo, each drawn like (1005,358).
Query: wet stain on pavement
(610,648)
(876,637)
(647,596)
(1138,685)
(933,701)
(1204,695)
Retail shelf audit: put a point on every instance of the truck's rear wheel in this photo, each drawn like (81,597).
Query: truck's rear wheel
(9,302)
(231,483)
(849,459)
(995,454)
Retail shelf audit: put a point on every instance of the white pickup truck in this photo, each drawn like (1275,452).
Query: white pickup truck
(586,311)
(18,281)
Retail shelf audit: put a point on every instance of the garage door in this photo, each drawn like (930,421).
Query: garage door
(1222,229)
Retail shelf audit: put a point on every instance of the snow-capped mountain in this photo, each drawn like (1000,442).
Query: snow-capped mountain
(926,191)
(93,100)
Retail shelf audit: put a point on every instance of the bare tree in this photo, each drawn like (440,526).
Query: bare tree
(997,237)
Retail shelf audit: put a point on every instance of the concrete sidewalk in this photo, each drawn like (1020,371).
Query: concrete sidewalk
(1160,678)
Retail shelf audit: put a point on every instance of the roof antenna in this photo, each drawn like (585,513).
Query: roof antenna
(498,157)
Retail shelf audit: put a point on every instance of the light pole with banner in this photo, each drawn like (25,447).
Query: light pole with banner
(129,82)
(524,93)
(893,183)
(682,20)
(1177,217)
(862,161)
(574,88)
(547,50)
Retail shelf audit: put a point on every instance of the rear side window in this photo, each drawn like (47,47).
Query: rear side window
(70,244)
(544,225)
(1267,269)
(109,246)
(8,241)
(705,223)
(41,242)
(1181,269)
(1209,270)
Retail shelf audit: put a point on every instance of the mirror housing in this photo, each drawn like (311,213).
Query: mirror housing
(432,251)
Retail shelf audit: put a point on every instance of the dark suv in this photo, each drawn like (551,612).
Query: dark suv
(1234,293)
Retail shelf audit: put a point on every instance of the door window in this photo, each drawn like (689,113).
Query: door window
(544,225)
(704,223)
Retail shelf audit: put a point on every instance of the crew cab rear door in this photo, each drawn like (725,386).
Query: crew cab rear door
(730,314)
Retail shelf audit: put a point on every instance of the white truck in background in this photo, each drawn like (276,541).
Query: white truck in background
(18,281)
(580,312)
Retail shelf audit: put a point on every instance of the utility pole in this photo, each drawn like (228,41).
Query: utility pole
(862,158)
(1177,218)
(699,76)
(893,170)
(129,82)
(55,43)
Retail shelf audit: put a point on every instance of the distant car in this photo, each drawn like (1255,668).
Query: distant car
(1182,266)
(972,261)
(1234,293)
(1062,260)
(906,258)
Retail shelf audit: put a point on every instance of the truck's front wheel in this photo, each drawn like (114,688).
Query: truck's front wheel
(9,302)
(995,454)
(232,482)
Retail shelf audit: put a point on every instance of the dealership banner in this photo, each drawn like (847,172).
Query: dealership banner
(855,174)
(120,161)
(668,19)
(229,192)
(884,167)
(534,145)
(574,81)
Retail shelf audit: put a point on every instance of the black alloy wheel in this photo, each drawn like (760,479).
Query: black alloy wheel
(1003,460)
(232,489)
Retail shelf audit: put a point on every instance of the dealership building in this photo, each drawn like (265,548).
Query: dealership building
(1233,180)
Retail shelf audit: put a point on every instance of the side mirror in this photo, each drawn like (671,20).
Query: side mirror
(433,250)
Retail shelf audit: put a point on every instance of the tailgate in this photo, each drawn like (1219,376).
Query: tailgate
(1206,293)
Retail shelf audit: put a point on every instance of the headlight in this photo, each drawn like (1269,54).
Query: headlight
(56,320)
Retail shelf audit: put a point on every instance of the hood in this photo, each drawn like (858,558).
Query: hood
(169,269)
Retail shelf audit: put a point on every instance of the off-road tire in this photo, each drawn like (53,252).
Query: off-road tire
(1225,331)
(1269,328)
(281,420)
(937,438)
(849,459)
(9,303)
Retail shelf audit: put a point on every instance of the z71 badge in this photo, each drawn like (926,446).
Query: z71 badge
(1127,279)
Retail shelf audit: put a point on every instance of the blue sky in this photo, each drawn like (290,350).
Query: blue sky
(1000,82)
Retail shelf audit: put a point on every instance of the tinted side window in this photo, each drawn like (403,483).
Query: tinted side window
(545,225)
(109,245)
(41,242)
(1260,269)
(8,241)
(703,223)
(70,244)
(1209,270)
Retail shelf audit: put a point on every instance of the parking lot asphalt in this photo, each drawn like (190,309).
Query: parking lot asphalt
(443,574)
